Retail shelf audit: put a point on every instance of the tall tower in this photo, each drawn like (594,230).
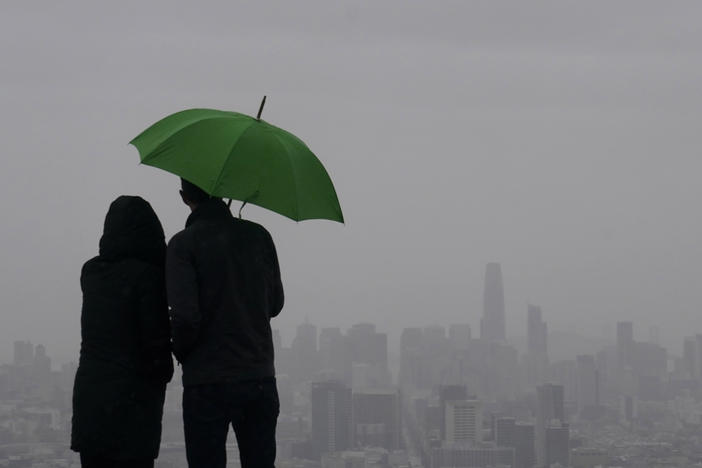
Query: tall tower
(492,324)
(537,346)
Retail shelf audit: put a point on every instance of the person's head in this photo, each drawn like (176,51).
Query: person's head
(191,194)
(132,230)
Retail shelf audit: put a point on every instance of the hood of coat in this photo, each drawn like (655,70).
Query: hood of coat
(132,230)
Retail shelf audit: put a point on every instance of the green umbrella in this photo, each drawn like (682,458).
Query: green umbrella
(235,156)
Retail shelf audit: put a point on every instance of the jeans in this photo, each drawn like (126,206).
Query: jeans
(251,407)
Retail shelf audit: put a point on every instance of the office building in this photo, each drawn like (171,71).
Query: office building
(449,393)
(550,413)
(463,421)
(459,456)
(557,447)
(524,446)
(331,417)
(377,419)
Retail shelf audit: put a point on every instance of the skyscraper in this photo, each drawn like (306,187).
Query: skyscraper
(520,436)
(464,421)
(334,358)
(449,393)
(366,346)
(492,324)
(550,413)
(557,447)
(331,417)
(525,456)
(537,346)
(376,419)
(504,429)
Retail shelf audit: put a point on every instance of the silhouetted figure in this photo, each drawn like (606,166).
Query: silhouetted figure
(224,286)
(125,359)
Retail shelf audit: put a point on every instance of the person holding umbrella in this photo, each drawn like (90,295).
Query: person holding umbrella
(224,286)
(222,274)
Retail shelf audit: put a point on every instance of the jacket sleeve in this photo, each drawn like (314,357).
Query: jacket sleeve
(154,334)
(181,286)
(276,284)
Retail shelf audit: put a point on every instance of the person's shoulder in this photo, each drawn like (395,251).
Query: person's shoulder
(90,266)
(247,224)
(180,237)
(252,227)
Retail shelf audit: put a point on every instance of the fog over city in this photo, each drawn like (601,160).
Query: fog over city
(560,139)
(517,281)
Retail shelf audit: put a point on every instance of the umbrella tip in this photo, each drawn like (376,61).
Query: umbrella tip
(260,109)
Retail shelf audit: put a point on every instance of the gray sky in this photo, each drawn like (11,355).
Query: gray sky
(558,138)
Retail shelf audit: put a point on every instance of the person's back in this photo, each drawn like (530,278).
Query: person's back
(235,293)
(125,360)
(223,288)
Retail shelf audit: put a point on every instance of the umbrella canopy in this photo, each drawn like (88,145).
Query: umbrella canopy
(232,155)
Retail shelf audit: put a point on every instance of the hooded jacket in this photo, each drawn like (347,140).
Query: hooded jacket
(224,287)
(125,359)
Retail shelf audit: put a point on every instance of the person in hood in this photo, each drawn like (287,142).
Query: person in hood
(224,287)
(125,354)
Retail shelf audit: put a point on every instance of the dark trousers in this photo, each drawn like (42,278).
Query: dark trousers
(91,461)
(251,407)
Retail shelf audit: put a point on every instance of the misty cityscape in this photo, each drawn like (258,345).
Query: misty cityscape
(448,397)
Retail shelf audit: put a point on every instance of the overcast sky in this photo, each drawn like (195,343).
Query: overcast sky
(561,139)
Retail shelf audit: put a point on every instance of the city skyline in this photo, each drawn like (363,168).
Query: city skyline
(339,401)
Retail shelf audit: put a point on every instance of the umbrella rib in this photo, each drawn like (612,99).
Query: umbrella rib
(294,171)
(229,155)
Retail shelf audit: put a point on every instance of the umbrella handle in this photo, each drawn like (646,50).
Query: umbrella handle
(242,207)
(251,197)
(229,205)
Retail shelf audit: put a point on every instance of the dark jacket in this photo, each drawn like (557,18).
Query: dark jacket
(125,359)
(224,286)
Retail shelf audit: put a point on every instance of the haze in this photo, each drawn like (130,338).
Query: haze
(560,139)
